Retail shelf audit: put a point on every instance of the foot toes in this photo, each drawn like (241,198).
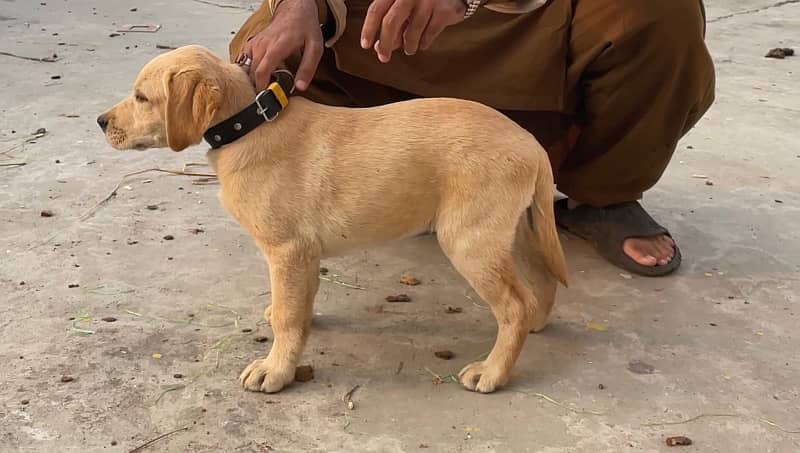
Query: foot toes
(259,376)
(652,251)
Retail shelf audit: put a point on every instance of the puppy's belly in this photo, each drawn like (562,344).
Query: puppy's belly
(369,231)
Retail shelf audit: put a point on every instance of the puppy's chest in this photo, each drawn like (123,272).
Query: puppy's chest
(259,210)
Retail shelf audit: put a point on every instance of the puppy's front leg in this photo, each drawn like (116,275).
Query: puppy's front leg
(294,277)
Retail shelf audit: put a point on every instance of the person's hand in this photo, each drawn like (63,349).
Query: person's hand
(294,29)
(410,24)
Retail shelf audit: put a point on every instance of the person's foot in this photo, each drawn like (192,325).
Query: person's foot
(648,251)
(624,234)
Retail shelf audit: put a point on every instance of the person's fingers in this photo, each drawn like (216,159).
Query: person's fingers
(416,26)
(435,27)
(393,25)
(372,22)
(312,54)
(263,72)
(247,51)
(383,56)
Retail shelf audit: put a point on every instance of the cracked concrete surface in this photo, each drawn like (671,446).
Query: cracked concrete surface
(755,10)
(718,338)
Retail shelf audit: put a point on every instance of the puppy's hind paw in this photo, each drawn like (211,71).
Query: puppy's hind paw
(260,376)
(539,325)
(268,314)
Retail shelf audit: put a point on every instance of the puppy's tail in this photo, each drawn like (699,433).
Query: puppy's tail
(541,217)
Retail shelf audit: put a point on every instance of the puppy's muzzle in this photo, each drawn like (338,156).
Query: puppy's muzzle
(102,121)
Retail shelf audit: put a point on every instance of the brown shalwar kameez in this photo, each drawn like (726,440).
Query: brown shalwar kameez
(607,86)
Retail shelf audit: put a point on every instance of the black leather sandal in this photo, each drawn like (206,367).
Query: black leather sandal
(608,228)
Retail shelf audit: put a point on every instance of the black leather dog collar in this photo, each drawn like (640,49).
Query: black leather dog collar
(267,106)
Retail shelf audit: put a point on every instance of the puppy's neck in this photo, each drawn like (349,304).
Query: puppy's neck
(237,92)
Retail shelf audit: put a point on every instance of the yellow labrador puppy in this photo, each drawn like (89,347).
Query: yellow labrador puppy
(318,181)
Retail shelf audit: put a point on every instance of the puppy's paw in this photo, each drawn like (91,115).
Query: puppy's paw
(538,325)
(482,377)
(261,376)
(268,314)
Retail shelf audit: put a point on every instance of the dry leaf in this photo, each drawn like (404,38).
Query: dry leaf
(409,280)
(596,326)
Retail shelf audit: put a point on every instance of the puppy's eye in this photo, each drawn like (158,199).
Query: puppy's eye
(140,97)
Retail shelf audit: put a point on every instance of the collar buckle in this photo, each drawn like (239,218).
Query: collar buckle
(264,111)
(276,90)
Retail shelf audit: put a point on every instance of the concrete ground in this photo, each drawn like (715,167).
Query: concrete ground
(625,363)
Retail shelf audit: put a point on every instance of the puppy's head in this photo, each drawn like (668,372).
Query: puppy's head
(173,102)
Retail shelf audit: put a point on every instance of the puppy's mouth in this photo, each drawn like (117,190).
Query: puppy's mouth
(148,142)
(119,139)
(116,137)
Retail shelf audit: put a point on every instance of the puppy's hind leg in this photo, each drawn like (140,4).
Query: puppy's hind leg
(294,279)
(483,256)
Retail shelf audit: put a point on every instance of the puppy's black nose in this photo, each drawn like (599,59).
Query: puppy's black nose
(102,121)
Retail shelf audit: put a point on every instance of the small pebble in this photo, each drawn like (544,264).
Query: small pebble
(169,237)
(444,355)
(152,207)
(261,339)
(113,443)
(73,285)
(452,310)
(24,402)
(247,330)
(780,53)
(601,386)
(303,373)
(66,378)
(46,213)
(709,183)
(55,77)
(323,270)
(398,298)
(177,376)
(133,10)
(678,440)
(109,319)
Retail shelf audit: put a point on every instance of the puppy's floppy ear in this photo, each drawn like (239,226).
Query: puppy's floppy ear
(192,101)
